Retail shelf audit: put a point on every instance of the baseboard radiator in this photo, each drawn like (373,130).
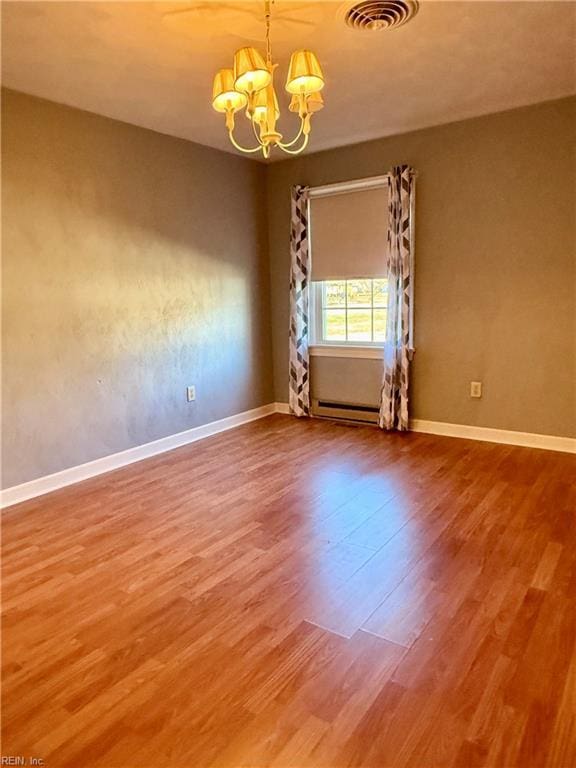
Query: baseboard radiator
(331,409)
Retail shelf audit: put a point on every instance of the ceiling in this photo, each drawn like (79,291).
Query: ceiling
(152,63)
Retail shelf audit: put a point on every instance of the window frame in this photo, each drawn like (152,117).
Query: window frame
(321,347)
(346,349)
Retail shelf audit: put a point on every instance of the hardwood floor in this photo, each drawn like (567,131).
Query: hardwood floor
(296,593)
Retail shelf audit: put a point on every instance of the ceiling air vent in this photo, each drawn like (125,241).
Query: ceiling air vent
(374,15)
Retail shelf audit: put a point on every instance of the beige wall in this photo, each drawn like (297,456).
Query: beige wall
(134,264)
(495,268)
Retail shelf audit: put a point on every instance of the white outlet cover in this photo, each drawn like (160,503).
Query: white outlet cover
(475,389)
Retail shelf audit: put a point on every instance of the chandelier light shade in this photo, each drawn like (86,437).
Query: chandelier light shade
(261,104)
(250,71)
(314,102)
(250,84)
(224,95)
(304,73)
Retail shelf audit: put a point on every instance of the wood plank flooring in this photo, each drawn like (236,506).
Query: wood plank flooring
(297,593)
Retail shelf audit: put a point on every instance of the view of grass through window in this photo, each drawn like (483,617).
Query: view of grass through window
(354,310)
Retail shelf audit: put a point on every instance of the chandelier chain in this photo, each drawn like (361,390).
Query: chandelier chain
(268,17)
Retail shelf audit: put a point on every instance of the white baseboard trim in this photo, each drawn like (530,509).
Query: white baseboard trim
(489,435)
(486,434)
(48,483)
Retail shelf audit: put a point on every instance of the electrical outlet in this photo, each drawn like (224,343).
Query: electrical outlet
(190,394)
(475,389)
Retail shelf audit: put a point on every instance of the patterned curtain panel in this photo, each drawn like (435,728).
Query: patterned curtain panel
(398,344)
(299,386)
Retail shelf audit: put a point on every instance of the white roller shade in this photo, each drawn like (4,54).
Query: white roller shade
(348,234)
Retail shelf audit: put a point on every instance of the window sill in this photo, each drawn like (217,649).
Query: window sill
(346,350)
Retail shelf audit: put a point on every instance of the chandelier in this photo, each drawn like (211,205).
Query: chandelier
(250,85)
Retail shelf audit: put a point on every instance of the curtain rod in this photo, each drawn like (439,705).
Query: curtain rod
(341,187)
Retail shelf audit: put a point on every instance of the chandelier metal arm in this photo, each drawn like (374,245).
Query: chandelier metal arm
(301,148)
(256,133)
(295,139)
(241,148)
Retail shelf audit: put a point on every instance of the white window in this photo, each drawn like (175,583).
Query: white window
(349,312)
(349,290)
